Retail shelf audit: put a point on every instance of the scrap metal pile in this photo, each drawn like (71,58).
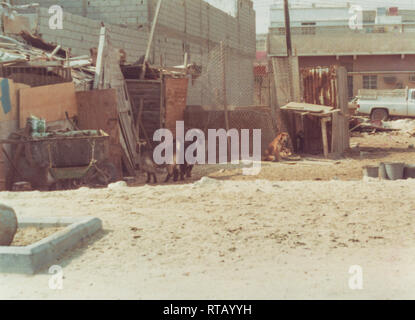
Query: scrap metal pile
(75,95)
(56,159)
(30,59)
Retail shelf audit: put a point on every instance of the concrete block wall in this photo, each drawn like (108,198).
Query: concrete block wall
(199,28)
(120,12)
(81,34)
(128,12)
(192,26)
(195,18)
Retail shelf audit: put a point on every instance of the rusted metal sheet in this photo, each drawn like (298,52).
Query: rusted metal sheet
(319,86)
(63,150)
(176,100)
(328,86)
(48,102)
(97,110)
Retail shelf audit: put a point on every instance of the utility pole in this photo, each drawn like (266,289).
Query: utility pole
(288,28)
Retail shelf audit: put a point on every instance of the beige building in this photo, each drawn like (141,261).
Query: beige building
(380,54)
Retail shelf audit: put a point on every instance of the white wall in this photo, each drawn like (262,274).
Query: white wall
(321,16)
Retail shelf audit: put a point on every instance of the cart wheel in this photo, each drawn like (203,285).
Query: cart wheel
(107,173)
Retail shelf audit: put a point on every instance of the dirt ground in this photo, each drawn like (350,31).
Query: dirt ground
(367,149)
(30,235)
(239,237)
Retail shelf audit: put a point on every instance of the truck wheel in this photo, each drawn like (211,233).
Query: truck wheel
(379,115)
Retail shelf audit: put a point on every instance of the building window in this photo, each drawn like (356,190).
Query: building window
(370,82)
(308,28)
(350,86)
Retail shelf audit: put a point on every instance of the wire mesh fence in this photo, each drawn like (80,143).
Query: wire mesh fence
(262,84)
(228,84)
(227,78)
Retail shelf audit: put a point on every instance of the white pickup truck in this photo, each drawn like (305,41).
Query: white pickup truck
(382,104)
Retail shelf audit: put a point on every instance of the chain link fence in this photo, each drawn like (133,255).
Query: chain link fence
(228,79)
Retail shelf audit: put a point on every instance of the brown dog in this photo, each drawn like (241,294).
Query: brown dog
(279,148)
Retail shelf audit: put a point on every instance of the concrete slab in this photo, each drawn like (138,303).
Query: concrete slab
(42,254)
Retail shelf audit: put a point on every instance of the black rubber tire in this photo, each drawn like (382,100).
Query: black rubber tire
(379,115)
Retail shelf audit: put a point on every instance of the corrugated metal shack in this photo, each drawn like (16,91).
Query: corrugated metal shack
(317,130)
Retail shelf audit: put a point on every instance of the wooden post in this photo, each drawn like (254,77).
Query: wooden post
(335,133)
(225,98)
(99,66)
(186,59)
(150,40)
(324,135)
(343,105)
(224,92)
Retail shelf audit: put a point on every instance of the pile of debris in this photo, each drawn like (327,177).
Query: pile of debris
(77,94)
(36,63)
(364,124)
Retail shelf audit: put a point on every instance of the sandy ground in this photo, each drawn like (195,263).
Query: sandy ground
(29,235)
(237,237)
(227,239)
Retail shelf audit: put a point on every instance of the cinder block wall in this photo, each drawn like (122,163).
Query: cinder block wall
(191,26)
(111,11)
(81,34)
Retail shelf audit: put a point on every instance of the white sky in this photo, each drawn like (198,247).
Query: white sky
(262,6)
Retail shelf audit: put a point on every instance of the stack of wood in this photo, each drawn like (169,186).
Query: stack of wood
(35,56)
(109,75)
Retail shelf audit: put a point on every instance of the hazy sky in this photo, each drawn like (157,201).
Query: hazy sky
(262,6)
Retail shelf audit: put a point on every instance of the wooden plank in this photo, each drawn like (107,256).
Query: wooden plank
(176,98)
(100,58)
(144,82)
(97,109)
(48,102)
(325,138)
(307,107)
(152,108)
(225,95)
(343,103)
(114,78)
(335,134)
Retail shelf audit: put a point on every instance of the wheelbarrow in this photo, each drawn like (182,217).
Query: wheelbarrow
(65,160)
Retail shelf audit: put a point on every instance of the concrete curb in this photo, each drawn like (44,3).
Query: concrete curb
(35,257)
